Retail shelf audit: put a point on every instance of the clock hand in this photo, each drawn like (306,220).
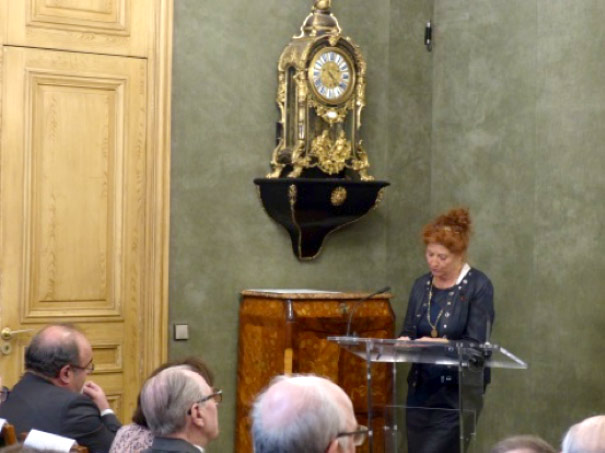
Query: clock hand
(333,76)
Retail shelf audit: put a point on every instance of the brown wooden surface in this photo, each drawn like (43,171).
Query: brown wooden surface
(265,334)
(8,434)
(23,436)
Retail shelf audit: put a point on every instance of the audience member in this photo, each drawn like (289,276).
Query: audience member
(53,394)
(3,392)
(181,410)
(588,436)
(136,437)
(304,413)
(523,444)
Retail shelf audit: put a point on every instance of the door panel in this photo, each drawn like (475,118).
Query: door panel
(72,204)
(117,27)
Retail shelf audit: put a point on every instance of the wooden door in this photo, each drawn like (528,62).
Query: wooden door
(114,27)
(73,192)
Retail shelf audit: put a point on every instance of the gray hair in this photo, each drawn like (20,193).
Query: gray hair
(166,398)
(297,414)
(588,436)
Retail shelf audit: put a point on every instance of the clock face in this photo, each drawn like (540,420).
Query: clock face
(331,75)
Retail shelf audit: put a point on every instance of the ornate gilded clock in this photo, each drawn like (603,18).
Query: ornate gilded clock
(319,180)
(321,94)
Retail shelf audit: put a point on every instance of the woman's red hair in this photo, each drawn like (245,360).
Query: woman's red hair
(452,230)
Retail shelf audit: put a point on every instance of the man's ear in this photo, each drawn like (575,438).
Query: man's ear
(333,447)
(197,417)
(64,375)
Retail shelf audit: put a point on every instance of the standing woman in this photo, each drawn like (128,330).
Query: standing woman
(451,302)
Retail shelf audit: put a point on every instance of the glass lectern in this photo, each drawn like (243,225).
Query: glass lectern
(469,358)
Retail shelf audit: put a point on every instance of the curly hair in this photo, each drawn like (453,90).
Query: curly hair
(452,230)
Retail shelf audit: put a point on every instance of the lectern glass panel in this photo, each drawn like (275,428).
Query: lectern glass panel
(470,360)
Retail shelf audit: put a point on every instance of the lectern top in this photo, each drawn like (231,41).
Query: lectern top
(457,353)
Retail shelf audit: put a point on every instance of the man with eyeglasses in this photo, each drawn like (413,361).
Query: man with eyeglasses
(181,410)
(305,413)
(53,394)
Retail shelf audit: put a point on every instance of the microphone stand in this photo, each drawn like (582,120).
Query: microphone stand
(361,301)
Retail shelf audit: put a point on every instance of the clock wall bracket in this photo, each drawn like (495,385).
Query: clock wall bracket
(320,97)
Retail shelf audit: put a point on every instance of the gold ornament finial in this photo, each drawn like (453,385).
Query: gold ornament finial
(323,5)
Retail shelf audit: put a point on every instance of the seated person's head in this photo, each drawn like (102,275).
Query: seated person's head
(304,413)
(587,436)
(61,354)
(178,402)
(523,444)
(193,363)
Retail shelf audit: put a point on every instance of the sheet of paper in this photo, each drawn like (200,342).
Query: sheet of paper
(2,422)
(47,441)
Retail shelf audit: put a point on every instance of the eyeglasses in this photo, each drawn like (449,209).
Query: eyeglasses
(89,367)
(4,392)
(359,435)
(217,396)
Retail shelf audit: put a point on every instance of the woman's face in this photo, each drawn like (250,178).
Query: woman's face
(442,263)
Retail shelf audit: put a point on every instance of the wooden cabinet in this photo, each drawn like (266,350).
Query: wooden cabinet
(286,332)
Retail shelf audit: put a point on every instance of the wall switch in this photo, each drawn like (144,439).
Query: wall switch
(181,332)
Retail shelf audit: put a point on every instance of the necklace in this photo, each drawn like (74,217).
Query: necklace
(434,331)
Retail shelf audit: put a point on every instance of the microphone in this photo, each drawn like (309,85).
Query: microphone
(361,301)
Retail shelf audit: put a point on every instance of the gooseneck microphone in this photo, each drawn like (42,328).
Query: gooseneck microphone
(361,301)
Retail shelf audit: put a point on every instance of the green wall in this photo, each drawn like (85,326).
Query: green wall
(223,133)
(518,114)
(504,116)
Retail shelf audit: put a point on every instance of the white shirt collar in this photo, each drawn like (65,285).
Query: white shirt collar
(463,273)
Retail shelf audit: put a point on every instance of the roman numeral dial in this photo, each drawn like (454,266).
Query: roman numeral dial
(331,75)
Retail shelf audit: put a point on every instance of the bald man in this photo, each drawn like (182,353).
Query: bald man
(588,436)
(523,444)
(53,394)
(305,413)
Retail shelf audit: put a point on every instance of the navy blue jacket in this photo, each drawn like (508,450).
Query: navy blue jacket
(469,317)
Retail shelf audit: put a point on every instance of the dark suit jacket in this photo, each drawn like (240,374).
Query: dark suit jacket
(167,445)
(35,403)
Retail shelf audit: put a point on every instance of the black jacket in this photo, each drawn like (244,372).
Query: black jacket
(35,403)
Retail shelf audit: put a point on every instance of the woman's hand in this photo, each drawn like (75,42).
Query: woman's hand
(434,340)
